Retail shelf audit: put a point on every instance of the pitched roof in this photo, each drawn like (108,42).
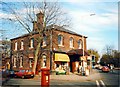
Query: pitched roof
(51,27)
(24,35)
(56,27)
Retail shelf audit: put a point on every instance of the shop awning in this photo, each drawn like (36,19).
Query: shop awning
(61,57)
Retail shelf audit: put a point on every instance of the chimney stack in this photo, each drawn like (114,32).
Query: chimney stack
(34,25)
(40,19)
(39,23)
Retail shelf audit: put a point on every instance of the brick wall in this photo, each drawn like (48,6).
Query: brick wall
(66,41)
(27,52)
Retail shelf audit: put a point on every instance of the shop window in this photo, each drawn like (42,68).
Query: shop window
(57,65)
(44,61)
(79,44)
(14,61)
(60,40)
(15,45)
(88,62)
(71,42)
(63,65)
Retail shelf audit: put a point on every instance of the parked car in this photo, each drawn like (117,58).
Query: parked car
(105,69)
(5,75)
(61,72)
(12,73)
(24,73)
(98,66)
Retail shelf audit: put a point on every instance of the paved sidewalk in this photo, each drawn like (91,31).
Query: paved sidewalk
(73,77)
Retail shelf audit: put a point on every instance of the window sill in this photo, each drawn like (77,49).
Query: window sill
(60,45)
(30,47)
(43,45)
(43,67)
(15,50)
(14,66)
(79,48)
(20,66)
(72,47)
(21,49)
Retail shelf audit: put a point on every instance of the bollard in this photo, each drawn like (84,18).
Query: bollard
(45,77)
(87,72)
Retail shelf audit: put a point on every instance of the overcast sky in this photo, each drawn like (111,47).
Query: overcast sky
(96,19)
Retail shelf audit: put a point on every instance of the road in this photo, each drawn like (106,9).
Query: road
(98,79)
(111,78)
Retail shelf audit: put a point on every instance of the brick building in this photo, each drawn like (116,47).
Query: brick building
(60,48)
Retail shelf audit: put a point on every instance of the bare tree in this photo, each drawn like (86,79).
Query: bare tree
(108,49)
(52,14)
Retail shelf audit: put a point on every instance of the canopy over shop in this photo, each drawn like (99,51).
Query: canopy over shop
(77,58)
(61,61)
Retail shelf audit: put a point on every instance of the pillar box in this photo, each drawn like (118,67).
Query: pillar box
(45,77)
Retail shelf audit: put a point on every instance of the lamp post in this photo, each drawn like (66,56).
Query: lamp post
(83,65)
(83,56)
(83,44)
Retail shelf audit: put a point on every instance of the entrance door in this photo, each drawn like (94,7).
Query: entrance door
(70,66)
(73,67)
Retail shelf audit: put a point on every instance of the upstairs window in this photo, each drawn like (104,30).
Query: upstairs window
(71,42)
(14,62)
(44,41)
(15,45)
(22,45)
(31,42)
(60,40)
(79,44)
(44,61)
(31,62)
(21,61)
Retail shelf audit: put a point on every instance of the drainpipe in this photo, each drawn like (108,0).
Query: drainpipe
(51,59)
(83,52)
(11,57)
(83,44)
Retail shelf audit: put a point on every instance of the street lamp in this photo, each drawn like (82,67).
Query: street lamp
(92,14)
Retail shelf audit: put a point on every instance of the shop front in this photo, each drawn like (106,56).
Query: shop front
(61,62)
(78,63)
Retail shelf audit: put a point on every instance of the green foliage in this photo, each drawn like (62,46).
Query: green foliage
(113,58)
(94,52)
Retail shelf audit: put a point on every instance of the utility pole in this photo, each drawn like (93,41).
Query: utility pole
(51,52)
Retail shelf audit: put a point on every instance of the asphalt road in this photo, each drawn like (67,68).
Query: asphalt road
(111,78)
(104,80)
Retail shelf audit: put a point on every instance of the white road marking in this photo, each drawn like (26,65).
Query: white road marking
(98,85)
(102,83)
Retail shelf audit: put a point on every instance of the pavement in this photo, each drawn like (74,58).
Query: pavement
(73,77)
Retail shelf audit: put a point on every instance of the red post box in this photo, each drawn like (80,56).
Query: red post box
(45,77)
